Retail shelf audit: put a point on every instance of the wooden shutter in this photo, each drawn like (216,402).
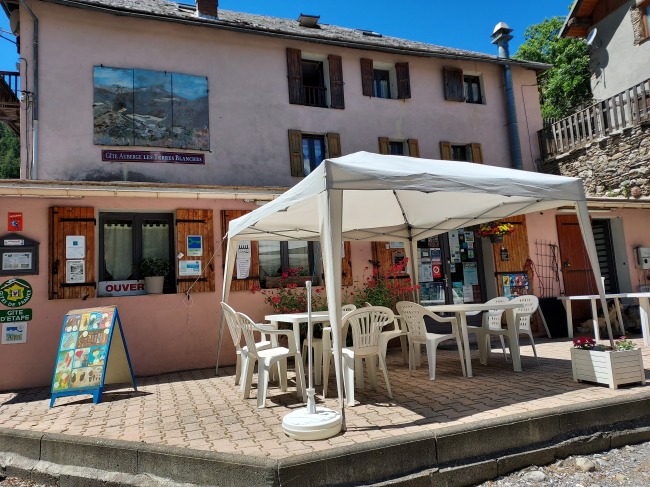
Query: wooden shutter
(195,222)
(384,146)
(366,76)
(346,265)
(403,81)
(453,79)
(336,82)
(333,145)
(294,75)
(68,221)
(477,154)
(414,147)
(253,280)
(445,151)
(295,153)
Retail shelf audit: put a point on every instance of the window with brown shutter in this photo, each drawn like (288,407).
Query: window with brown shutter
(453,80)
(294,75)
(191,224)
(403,81)
(366,77)
(414,147)
(384,145)
(65,222)
(336,82)
(461,152)
(253,281)
(295,153)
(333,145)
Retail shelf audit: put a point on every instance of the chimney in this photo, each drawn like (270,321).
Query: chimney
(207,8)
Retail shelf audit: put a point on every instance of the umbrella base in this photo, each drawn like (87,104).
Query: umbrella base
(303,425)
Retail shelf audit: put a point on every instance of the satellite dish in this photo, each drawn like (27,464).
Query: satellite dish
(592,37)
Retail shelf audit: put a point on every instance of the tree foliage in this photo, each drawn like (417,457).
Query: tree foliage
(9,153)
(565,87)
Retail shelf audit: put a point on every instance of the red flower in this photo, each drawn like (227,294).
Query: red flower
(285,275)
(275,299)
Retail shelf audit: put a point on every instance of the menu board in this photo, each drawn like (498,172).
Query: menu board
(514,284)
(92,352)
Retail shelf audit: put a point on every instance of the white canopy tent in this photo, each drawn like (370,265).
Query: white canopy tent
(370,197)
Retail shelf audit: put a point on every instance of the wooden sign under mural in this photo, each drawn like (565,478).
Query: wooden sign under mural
(156,156)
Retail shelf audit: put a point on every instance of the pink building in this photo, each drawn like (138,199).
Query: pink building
(147,125)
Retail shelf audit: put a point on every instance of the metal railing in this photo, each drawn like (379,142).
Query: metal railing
(315,96)
(626,109)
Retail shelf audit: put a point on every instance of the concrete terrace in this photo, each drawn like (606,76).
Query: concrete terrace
(195,427)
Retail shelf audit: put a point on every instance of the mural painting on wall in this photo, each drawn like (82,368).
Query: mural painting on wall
(138,107)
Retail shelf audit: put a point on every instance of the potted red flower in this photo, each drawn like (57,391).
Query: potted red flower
(495,230)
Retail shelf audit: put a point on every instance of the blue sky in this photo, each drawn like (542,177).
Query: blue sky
(462,25)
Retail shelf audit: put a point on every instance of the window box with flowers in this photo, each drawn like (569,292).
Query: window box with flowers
(293,277)
(495,230)
(604,364)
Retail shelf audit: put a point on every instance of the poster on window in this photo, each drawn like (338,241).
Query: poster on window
(88,338)
(243,260)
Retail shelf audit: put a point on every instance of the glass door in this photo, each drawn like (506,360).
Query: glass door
(450,268)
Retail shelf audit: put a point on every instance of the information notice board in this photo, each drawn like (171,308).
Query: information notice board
(92,353)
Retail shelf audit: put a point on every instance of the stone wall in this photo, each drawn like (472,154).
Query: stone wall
(617,165)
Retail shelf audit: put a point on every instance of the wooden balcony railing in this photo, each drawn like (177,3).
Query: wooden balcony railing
(10,100)
(626,109)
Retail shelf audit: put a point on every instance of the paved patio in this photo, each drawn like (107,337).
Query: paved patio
(196,410)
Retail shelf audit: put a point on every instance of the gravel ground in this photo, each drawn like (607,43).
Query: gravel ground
(627,466)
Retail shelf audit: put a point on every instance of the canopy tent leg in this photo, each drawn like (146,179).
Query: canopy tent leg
(231,254)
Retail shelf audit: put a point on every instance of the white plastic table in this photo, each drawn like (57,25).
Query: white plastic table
(644,311)
(461,310)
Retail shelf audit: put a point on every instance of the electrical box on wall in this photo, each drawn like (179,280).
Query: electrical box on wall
(642,258)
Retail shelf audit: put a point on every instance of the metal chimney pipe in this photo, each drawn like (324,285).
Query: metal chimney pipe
(502,37)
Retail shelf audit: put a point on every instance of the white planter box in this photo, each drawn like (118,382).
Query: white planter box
(611,368)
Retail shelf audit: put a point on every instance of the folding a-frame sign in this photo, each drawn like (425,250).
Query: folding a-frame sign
(92,353)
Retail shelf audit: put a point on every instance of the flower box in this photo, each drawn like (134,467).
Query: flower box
(613,368)
(278,281)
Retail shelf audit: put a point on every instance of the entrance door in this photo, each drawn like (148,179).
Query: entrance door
(450,268)
(576,270)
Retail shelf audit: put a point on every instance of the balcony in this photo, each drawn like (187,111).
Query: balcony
(9,100)
(626,109)
(315,96)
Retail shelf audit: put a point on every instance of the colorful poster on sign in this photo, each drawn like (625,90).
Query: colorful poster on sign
(87,338)
(15,221)
(15,293)
(194,245)
(14,333)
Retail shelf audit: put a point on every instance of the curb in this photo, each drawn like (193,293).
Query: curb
(456,455)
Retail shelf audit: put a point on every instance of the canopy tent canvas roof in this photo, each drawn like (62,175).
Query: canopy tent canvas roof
(370,197)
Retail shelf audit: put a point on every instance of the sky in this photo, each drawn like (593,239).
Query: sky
(461,25)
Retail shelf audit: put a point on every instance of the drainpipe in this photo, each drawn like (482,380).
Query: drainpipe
(501,37)
(34,171)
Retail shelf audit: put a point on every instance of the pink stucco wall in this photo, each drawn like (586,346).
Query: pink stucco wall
(249,109)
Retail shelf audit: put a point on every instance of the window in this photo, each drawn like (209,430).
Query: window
(127,238)
(472,89)
(385,80)
(308,77)
(397,147)
(313,151)
(276,258)
(381,83)
(645,14)
(462,87)
(307,151)
(461,152)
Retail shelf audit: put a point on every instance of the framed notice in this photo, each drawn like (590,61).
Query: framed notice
(92,353)
(14,333)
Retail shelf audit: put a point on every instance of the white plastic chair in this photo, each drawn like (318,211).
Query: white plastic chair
(327,347)
(267,358)
(414,315)
(235,332)
(367,324)
(522,317)
(491,325)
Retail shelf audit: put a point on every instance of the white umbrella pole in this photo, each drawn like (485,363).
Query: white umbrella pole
(311,401)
